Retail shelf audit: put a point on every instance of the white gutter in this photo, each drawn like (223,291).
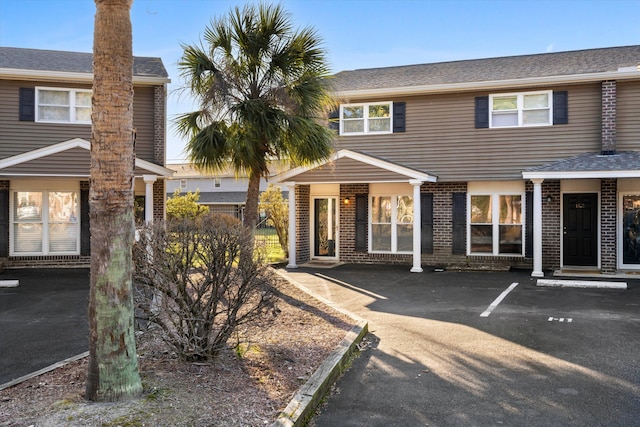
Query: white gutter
(65,76)
(492,84)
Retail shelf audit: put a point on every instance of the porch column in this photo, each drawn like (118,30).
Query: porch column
(148,197)
(292,225)
(537,228)
(417,232)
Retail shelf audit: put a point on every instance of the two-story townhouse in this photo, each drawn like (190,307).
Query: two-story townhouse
(224,192)
(45,137)
(526,161)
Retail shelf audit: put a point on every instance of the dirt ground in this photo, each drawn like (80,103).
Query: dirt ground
(246,386)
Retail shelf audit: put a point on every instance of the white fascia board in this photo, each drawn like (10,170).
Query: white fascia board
(401,170)
(152,167)
(68,145)
(65,76)
(491,84)
(392,167)
(45,151)
(582,174)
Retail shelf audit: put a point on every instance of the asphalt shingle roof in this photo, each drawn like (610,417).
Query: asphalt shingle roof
(72,62)
(594,162)
(490,69)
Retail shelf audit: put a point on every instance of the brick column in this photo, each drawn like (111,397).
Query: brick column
(608,117)
(303,235)
(608,241)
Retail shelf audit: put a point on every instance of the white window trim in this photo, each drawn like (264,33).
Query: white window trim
(45,226)
(520,102)
(365,108)
(72,111)
(495,224)
(394,223)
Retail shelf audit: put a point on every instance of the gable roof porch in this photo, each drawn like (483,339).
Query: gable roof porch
(349,166)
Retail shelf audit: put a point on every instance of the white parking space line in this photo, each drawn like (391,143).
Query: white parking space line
(498,300)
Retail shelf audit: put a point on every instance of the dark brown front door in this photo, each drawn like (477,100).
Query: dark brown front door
(580,229)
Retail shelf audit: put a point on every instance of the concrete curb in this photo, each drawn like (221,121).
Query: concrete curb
(308,397)
(591,284)
(44,370)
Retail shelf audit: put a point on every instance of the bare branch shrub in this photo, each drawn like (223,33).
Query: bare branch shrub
(192,282)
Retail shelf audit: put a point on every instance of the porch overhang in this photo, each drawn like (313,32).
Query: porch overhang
(348,167)
(70,158)
(624,164)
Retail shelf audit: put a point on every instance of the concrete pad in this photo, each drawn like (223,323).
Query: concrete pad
(9,283)
(595,284)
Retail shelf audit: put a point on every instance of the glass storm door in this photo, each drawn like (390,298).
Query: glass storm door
(324,227)
(631,231)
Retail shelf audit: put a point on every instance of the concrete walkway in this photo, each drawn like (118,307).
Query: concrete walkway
(542,357)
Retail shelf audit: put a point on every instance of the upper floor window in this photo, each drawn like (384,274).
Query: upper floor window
(521,109)
(357,119)
(217,182)
(59,105)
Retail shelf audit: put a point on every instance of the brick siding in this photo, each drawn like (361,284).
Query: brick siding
(608,235)
(550,225)
(608,117)
(303,228)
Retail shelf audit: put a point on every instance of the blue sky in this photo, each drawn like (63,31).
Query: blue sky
(356,33)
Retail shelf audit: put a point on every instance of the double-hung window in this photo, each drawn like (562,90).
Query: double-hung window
(495,226)
(357,119)
(59,105)
(521,109)
(391,224)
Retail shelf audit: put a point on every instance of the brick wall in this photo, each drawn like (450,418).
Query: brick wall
(608,235)
(159,119)
(303,228)
(159,199)
(608,117)
(347,230)
(551,225)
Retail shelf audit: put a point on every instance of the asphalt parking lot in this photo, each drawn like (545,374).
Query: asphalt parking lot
(540,357)
(43,320)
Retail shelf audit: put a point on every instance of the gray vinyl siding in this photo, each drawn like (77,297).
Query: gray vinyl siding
(17,137)
(74,162)
(441,138)
(348,170)
(628,116)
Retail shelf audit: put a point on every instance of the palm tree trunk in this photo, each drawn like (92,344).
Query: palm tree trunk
(251,204)
(113,364)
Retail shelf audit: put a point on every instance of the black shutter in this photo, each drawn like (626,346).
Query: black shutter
(528,225)
(85,229)
(426,222)
(361,222)
(4,223)
(27,104)
(482,112)
(399,114)
(334,120)
(560,108)
(459,220)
